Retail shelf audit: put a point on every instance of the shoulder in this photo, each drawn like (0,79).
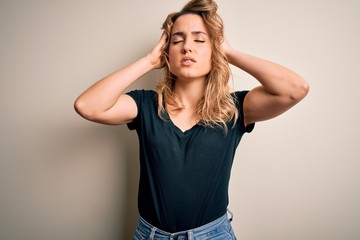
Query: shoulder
(141,92)
(146,103)
(239,96)
(142,95)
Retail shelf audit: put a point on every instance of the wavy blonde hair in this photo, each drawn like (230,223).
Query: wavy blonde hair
(217,106)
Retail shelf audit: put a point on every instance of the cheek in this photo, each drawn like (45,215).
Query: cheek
(172,56)
(206,53)
(207,56)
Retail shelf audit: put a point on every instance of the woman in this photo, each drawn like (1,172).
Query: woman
(190,128)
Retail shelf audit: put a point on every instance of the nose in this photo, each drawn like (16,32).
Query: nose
(187,47)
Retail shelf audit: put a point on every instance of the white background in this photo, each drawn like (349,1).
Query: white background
(64,178)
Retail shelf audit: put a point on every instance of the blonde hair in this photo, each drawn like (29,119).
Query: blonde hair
(217,106)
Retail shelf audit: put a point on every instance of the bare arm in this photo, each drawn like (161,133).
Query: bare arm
(280,89)
(105,101)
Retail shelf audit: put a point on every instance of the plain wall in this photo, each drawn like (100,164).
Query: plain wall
(64,178)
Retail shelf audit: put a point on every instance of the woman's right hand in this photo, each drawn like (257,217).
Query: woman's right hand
(105,101)
(155,56)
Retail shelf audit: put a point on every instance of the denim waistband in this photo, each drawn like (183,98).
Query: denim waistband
(147,229)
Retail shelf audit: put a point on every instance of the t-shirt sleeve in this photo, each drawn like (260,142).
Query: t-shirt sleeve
(137,95)
(240,96)
(145,100)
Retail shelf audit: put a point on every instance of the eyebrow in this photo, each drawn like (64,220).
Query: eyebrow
(193,32)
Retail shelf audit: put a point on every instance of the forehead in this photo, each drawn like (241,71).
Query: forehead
(189,23)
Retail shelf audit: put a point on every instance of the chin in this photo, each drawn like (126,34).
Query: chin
(190,75)
(189,78)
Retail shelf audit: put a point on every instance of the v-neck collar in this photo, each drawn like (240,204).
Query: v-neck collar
(177,129)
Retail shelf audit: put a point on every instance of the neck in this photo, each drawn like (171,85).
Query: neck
(189,93)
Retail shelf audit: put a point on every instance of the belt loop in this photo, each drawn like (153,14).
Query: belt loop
(190,235)
(231,215)
(152,234)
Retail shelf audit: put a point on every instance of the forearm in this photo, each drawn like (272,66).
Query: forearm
(103,94)
(274,78)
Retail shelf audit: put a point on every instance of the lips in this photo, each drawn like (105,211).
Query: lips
(188,60)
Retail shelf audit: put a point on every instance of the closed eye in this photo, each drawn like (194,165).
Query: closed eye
(177,41)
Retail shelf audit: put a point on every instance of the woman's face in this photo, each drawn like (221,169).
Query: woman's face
(190,48)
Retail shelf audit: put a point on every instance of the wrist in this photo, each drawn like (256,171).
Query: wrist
(229,53)
(149,64)
(152,62)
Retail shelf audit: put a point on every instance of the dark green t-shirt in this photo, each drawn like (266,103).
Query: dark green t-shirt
(184,176)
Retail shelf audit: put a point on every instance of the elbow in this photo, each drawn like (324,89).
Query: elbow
(78,107)
(299,90)
(82,110)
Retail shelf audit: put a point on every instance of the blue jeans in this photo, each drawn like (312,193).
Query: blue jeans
(219,229)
